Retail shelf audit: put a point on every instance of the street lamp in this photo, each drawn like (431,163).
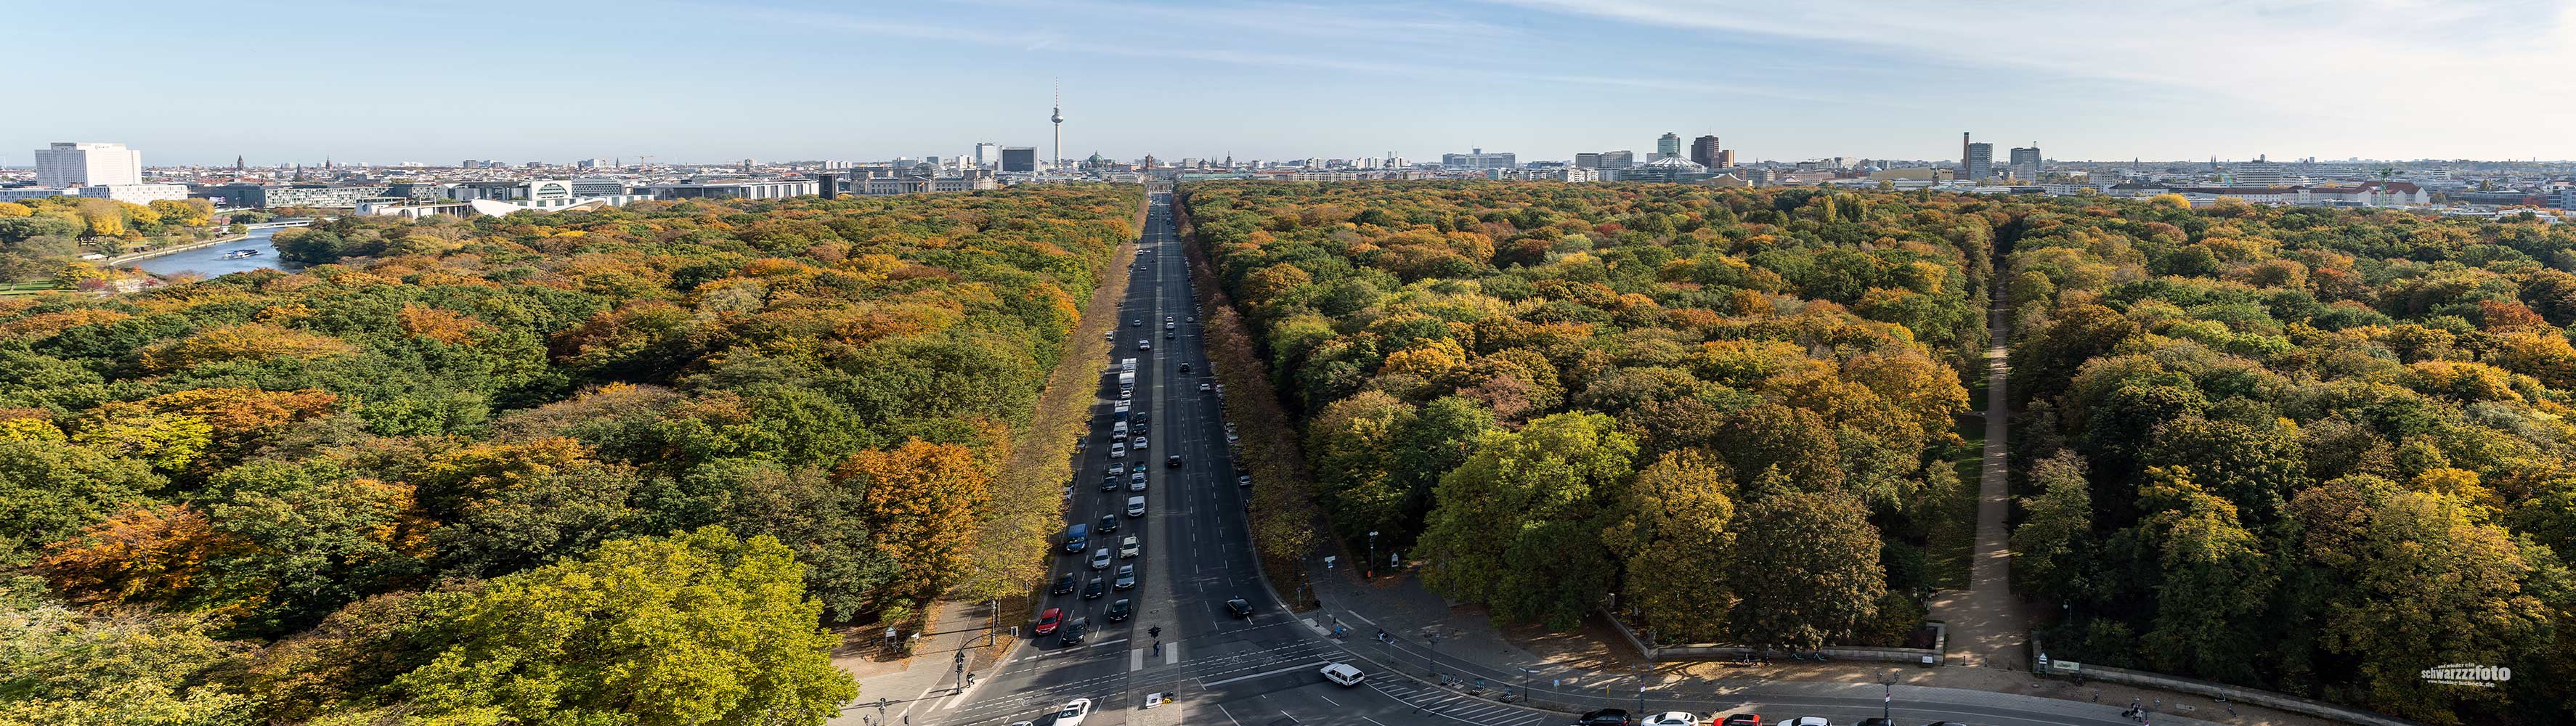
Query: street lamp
(1432,636)
(1525,681)
(1887,706)
(1643,669)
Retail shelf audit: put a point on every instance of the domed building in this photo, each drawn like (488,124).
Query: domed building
(1670,169)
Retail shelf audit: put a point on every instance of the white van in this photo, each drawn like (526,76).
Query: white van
(1343,674)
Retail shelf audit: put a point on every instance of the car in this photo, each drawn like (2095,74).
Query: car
(1117,450)
(1109,483)
(1173,461)
(1240,607)
(1876,722)
(1741,719)
(1342,674)
(1093,590)
(1074,631)
(1168,335)
(1073,713)
(1144,416)
(1205,387)
(1048,620)
(1140,428)
(1119,611)
(1243,481)
(1108,335)
(1167,326)
(1945,723)
(1126,394)
(1806,721)
(1135,506)
(1077,537)
(1108,524)
(1138,468)
(1142,344)
(1064,583)
(1185,368)
(1023,723)
(1194,318)
(1604,717)
(1167,320)
(1140,443)
(1137,323)
(1127,578)
(1136,482)
(1128,548)
(1100,559)
(1671,718)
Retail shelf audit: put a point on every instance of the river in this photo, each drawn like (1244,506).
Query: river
(210,262)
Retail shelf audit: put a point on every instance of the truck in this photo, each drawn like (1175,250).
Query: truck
(1076,537)
(1127,381)
(1127,365)
(1119,411)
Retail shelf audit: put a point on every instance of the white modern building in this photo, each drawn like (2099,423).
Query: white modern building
(2260,173)
(134,193)
(737,189)
(80,164)
(541,194)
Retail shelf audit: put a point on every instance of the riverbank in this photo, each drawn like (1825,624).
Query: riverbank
(139,256)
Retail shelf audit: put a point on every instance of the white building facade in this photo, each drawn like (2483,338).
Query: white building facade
(80,164)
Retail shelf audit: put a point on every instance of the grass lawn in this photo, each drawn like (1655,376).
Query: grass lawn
(25,288)
(1952,540)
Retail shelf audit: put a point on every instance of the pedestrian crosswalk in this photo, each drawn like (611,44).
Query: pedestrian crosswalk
(1457,708)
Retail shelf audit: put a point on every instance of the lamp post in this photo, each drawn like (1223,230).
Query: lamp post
(1643,669)
(1433,660)
(1887,706)
(1525,683)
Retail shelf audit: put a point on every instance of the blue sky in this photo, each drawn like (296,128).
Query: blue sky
(706,81)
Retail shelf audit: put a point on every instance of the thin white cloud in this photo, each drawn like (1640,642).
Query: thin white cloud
(2492,70)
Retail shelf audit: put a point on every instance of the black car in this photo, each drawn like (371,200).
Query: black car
(1240,607)
(1109,483)
(1108,524)
(1118,611)
(1063,584)
(1604,717)
(1875,722)
(1073,631)
(1093,591)
(1173,461)
(1185,368)
(1142,417)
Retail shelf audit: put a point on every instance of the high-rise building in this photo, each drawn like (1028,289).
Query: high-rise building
(1976,161)
(1615,159)
(2025,162)
(1667,146)
(1020,159)
(1725,159)
(988,154)
(1704,151)
(80,164)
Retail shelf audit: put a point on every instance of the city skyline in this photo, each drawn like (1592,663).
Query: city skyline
(798,80)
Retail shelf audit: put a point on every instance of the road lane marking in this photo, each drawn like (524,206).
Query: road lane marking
(1263,674)
(1229,715)
(1135,659)
(1336,704)
(1171,653)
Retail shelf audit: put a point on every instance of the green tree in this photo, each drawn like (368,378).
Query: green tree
(1806,569)
(700,628)
(1672,535)
(2217,581)
(1517,525)
(2052,549)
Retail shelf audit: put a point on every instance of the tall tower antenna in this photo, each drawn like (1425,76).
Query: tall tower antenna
(1058,119)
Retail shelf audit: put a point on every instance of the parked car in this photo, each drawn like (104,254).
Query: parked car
(1127,580)
(1876,722)
(1074,631)
(1243,481)
(1240,607)
(1806,721)
(1671,718)
(1100,559)
(1073,713)
(1129,548)
(1741,719)
(1064,583)
(1119,611)
(1048,620)
(1604,717)
(1343,674)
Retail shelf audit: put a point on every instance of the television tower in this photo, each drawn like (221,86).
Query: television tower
(1058,120)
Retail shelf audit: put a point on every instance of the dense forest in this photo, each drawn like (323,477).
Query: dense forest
(2314,451)
(2311,450)
(598,467)
(1732,409)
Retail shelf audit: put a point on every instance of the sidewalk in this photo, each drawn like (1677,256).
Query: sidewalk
(907,685)
(1570,671)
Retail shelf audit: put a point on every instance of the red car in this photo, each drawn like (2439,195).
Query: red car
(1741,719)
(1052,618)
